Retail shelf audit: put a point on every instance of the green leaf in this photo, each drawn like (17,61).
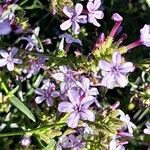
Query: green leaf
(22,107)
(50,146)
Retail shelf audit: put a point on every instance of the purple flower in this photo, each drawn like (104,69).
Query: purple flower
(26,141)
(94,13)
(5,28)
(71,141)
(145,35)
(114,73)
(8,59)
(33,41)
(85,89)
(66,76)
(70,39)
(147,130)
(128,124)
(46,92)
(74,18)
(36,66)
(115,146)
(78,108)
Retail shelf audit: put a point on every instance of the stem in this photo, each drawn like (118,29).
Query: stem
(31,131)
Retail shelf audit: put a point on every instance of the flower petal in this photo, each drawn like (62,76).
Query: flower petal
(82,19)
(39,99)
(55,94)
(93,91)
(87,115)
(68,11)
(78,8)
(75,27)
(73,96)
(121,80)
(73,120)
(10,66)
(5,28)
(13,52)
(126,67)
(39,91)
(116,59)
(4,54)
(109,81)
(97,4)
(65,107)
(104,65)
(17,61)
(3,62)
(98,14)
(66,25)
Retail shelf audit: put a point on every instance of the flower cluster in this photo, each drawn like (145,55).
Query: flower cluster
(67,92)
(74,14)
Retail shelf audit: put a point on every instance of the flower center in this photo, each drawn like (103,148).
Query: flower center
(9,59)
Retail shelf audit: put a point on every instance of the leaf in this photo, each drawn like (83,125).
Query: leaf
(148,2)
(50,146)
(22,107)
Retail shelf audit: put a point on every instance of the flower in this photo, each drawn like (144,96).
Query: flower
(74,18)
(5,28)
(78,108)
(114,73)
(36,66)
(128,124)
(115,146)
(93,12)
(26,141)
(70,39)
(85,90)
(46,92)
(8,59)
(66,76)
(71,141)
(147,130)
(33,41)
(145,35)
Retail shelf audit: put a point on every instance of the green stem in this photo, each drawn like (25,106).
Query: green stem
(4,86)
(31,131)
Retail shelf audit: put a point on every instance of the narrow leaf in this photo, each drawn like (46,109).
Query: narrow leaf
(22,107)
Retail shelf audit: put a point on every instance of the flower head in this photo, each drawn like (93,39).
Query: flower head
(93,12)
(114,73)
(46,92)
(78,108)
(128,124)
(145,35)
(74,18)
(8,59)
(66,76)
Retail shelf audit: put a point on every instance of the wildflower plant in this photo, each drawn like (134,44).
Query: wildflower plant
(62,89)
